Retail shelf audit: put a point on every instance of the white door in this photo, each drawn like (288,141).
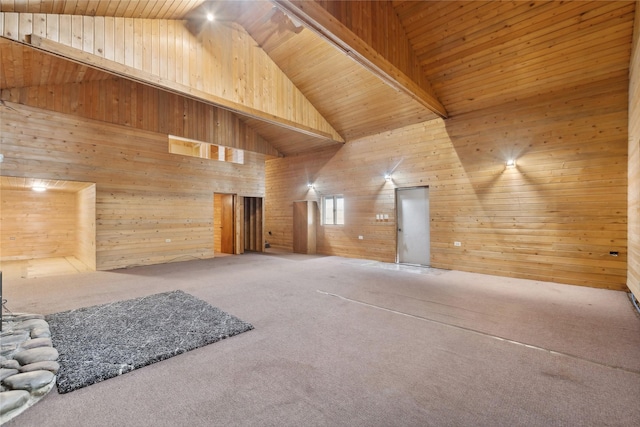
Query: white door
(412,206)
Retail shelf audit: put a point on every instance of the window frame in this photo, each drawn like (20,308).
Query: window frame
(334,215)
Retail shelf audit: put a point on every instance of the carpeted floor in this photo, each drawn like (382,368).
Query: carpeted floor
(101,342)
(341,342)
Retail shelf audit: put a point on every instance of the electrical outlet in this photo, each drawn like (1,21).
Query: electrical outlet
(457,244)
(167,240)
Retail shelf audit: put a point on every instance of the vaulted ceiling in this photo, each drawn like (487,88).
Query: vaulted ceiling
(349,68)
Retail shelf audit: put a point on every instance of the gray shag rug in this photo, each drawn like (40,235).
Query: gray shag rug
(104,341)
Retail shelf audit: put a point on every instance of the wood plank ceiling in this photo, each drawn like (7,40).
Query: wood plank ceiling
(480,54)
(471,54)
(19,183)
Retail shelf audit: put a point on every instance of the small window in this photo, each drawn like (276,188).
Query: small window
(204,150)
(333,210)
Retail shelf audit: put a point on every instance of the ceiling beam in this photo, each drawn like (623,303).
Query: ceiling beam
(314,17)
(99,63)
(223,67)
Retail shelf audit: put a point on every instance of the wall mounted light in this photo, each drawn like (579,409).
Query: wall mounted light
(210,17)
(310,186)
(387,177)
(511,163)
(39,188)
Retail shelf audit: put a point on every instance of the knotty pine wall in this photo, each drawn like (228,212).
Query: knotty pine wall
(555,217)
(166,51)
(633,278)
(127,103)
(144,194)
(37,225)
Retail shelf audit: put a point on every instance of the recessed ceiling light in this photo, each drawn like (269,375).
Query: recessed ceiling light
(210,17)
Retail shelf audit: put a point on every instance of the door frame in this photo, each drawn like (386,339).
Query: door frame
(397,258)
(233,223)
(239,222)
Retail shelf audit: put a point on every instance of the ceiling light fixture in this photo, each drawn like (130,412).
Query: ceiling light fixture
(511,163)
(210,17)
(39,188)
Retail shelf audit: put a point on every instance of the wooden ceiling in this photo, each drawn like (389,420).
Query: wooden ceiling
(18,183)
(479,54)
(151,9)
(467,55)
(23,66)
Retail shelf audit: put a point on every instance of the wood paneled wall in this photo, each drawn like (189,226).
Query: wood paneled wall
(222,61)
(127,103)
(555,217)
(377,23)
(144,195)
(85,249)
(633,276)
(37,225)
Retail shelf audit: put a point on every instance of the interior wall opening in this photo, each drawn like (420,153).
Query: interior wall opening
(48,227)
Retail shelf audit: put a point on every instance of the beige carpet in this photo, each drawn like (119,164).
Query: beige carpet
(340,342)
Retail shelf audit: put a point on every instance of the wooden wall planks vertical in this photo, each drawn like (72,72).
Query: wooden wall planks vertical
(110,31)
(127,103)
(223,60)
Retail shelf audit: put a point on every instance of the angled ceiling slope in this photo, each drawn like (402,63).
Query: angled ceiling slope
(221,66)
(296,74)
(361,85)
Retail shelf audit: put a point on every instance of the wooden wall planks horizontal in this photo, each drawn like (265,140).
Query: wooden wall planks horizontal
(633,276)
(144,194)
(555,217)
(37,225)
(222,63)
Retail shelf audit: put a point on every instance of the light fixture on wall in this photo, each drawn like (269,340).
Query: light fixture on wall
(511,163)
(39,188)
(210,17)
(310,186)
(387,177)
